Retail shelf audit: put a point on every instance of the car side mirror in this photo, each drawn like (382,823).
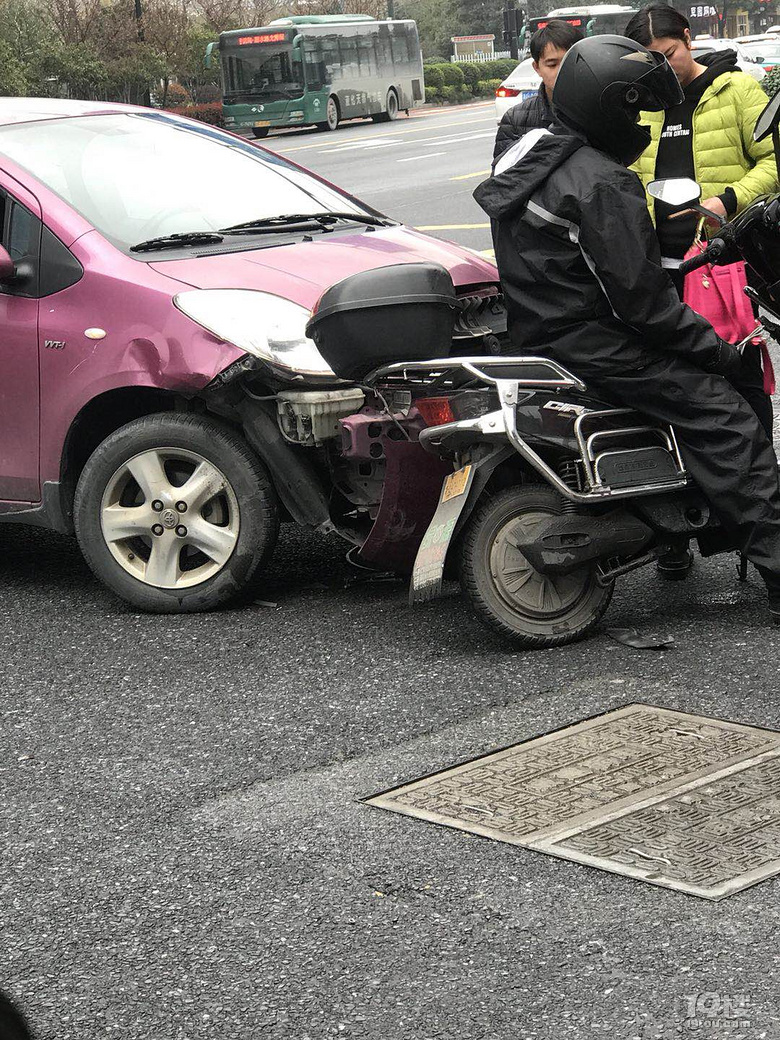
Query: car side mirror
(7,266)
(677,192)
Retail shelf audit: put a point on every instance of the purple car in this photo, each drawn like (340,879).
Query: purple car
(159,395)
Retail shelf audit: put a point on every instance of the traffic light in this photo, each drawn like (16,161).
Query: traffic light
(514,19)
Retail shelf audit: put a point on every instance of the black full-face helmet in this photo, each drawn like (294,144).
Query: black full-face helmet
(604,82)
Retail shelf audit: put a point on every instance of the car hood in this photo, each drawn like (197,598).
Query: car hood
(302,271)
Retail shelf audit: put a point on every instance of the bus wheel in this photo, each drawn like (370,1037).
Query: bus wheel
(332,113)
(260,131)
(391,109)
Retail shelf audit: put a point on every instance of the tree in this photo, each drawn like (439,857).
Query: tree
(437,23)
(13,81)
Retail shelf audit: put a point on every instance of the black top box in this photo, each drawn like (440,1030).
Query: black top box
(404,312)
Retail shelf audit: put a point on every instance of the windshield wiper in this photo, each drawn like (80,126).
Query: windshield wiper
(180,238)
(289,219)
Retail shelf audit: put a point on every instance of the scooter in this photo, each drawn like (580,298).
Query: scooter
(554,493)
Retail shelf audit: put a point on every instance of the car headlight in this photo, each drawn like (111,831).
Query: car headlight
(266,326)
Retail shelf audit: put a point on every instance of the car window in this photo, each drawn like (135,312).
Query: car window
(21,236)
(135,177)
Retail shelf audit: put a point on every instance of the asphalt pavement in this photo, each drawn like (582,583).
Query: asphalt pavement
(185,854)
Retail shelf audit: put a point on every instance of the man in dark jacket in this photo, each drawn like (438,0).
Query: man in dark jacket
(548,49)
(581,272)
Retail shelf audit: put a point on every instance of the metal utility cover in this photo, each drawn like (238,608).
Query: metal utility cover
(681,801)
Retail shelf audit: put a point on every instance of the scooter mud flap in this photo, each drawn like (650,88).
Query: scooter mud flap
(429,566)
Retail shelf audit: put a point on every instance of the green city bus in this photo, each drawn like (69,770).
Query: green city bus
(318,70)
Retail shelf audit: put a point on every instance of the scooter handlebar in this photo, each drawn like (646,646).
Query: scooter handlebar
(715,249)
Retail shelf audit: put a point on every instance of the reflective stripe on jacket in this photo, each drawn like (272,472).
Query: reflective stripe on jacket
(724,152)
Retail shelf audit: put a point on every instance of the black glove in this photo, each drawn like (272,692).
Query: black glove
(726,361)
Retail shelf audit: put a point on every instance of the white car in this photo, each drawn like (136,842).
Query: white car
(745,61)
(520,84)
(765,52)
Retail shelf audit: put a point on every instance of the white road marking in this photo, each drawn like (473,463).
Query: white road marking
(394,133)
(361,145)
(414,158)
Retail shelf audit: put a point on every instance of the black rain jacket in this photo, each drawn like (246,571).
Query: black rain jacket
(533,114)
(580,264)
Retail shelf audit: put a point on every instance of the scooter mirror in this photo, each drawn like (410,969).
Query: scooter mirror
(677,192)
(768,119)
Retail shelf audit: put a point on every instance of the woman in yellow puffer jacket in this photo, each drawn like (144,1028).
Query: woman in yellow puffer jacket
(708,137)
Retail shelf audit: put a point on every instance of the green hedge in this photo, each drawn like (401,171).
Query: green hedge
(487,87)
(771,82)
(468,78)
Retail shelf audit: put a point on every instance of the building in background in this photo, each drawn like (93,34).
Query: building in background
(473,48)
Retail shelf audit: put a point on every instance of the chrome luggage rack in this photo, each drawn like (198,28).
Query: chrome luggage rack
(510,375)
(447,372)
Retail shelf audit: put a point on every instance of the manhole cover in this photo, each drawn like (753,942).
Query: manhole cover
(682,801)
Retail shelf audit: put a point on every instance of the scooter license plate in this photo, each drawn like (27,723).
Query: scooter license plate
(429,565)
(456,483)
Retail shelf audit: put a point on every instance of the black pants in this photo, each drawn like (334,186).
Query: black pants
(751,384)
(725,450)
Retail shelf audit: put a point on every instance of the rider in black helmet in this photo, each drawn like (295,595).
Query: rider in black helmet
(581,271)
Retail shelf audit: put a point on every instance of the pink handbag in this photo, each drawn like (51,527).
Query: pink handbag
(718,294)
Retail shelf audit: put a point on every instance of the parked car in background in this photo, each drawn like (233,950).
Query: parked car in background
(520,84)
(765,52)
(745,61)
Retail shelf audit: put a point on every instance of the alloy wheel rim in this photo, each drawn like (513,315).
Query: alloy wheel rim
(519,585)
(170,518)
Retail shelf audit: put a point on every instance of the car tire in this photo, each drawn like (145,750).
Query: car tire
(333,115)
(538,610)
(260,132)
(175,514)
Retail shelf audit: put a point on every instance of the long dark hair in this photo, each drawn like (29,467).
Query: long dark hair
(657,22)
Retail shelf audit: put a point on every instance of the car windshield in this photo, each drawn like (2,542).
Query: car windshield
(138,176)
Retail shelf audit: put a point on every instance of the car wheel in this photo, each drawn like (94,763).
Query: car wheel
(260,131)
(531,609)
(174,513)
(332,115)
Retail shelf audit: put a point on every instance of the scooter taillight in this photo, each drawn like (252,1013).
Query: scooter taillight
(463,404)
(435,411)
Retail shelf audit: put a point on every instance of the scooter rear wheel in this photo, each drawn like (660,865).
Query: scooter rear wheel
(531,609)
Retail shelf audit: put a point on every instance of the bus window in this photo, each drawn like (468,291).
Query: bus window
(329,50)
(349,62)
(383,49)
(270,73)
(400,53)
(366,56)
(314,65)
